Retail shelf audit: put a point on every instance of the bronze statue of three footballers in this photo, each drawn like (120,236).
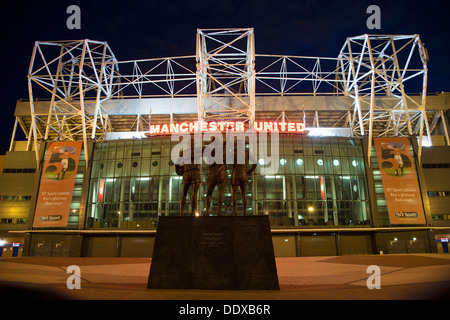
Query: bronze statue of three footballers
(217,176)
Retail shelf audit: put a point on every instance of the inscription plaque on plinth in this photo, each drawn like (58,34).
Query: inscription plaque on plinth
(224,253)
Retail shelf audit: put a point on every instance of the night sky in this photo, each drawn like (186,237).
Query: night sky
(154,28)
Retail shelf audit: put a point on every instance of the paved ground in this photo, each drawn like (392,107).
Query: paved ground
(408,276)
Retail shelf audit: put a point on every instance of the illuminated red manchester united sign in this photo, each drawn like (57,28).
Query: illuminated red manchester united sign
(214,126)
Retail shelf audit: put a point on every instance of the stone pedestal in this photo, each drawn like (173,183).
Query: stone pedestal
(213,253)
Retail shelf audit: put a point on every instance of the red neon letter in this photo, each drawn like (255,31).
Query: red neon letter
(255,126)
(300,127)
(184,127)
(212,126)
(222,125)
(154,129)
(268,126)
(239,126)
(291,127)
(165,128)
(174,127)
(193,126)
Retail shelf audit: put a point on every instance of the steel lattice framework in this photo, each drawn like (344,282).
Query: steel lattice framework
(382,66)
(225,68)
(376,72)
(76,71)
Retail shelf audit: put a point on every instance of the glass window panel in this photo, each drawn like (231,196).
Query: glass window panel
(117,183)
(98,151)
(344,166)
(338,187)
(135,166)
(308,163)
(164,165)
(102,169)
(347,188)
(354,184)
(95,169)
(110,168)
(299,165)
(134,189)
(281,162)
(328,188)
(165,148)
(343,147)
(127,167)
(270,188)
(280,182)
(145,167)
(351,147)
(119,168)
(261,187)
(316,143)
(174,188)
(93,194)
(319,165)
(137,148)
(360,166)
(172,169)
(300,187)
(145,191)
(335,147)
(120,150)
(362,188)
(108,190)
(353,166)
(147,148)
(326,147)
(156,188)
(127,182)
(289,164)
(310,187)
(287,147)
(301,213)
(328,165)
(156,146)
(336,165)
(128,149)
(307,147)
(155,166)
(112,150)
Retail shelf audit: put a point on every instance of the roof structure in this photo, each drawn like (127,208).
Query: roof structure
(376,86)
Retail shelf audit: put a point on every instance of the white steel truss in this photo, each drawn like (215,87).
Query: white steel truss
(71,72)
(383,65)
(377,74)
(226,69)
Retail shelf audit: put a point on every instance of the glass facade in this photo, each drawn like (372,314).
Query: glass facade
(76,195)
(320,182)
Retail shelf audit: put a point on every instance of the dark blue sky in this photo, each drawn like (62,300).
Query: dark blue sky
(163,28)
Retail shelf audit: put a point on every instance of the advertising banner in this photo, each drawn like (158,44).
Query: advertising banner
(399,178)
(57,183)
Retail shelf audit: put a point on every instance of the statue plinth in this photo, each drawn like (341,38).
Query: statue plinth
(213,253)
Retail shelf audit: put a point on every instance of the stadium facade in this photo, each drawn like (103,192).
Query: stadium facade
(355,160)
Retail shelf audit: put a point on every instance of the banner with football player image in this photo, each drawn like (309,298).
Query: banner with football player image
(399,178)
(57,183)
